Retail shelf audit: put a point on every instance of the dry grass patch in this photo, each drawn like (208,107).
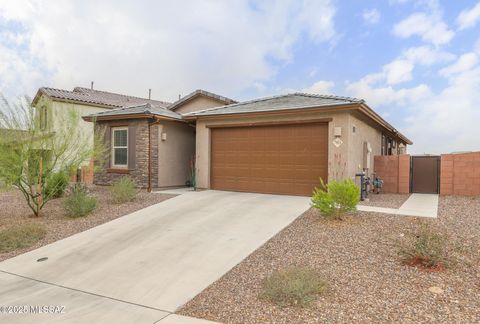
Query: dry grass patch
(124,190)
(428,250)
(20,236)
(293,287)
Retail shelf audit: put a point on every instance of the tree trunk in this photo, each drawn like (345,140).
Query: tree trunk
(39,189)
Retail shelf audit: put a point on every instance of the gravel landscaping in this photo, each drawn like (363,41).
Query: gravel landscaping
(358,259)
(386,200)
(14,211)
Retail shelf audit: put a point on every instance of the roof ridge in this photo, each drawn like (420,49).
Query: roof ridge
(352,99)
(115,93)
(62,90)
(241,103)
(146,105)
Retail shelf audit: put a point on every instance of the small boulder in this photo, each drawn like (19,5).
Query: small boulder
(436,290)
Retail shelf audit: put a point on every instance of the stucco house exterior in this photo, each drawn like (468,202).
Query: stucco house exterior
(281,144)
(53,105)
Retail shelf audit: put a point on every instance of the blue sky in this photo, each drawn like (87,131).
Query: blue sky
(416,62)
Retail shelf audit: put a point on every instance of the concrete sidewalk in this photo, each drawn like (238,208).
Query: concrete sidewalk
(74,306)
(418,205)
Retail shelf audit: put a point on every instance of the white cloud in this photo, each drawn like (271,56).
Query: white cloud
(371,16)
(464,63)
(320,87)
(448,121)
(426,55)
(437,121)
(380,95)
(469,18)
(398,71)
(430,28)
(16,72)
(401,69)
(171,47)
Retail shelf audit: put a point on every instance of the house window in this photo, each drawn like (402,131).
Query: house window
(384,151)
(120,147)
(43,118)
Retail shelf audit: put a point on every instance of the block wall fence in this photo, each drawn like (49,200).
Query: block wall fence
(86,174)
(459,173)
(394,170)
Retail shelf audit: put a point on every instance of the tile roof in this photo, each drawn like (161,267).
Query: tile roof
(104,98)
(201,92)
(145,109)
(283,102)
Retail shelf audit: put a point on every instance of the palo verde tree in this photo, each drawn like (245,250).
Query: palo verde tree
(33,150)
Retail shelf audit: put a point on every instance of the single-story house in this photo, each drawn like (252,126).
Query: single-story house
(282,144)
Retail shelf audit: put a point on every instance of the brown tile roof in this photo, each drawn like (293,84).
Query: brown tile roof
(96,97)
(141,110)
(200,92)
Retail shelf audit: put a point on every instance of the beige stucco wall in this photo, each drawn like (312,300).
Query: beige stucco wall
(365,132)
(58,113)
(175,153)
(337,156)
(198,103)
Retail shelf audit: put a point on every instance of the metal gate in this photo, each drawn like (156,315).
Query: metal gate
(425,174)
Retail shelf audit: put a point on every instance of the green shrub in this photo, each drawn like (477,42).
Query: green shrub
(336,198)
(123,190)
(20,236)
(428,249)
(57,184)
(79,203)
(293,287)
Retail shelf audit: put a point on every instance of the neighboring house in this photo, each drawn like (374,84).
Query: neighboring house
(280,144)
(53,105)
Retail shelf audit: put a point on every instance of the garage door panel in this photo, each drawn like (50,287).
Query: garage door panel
(285,159)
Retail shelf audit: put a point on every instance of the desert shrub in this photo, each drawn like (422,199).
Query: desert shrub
(79,202)
(20,236)
(57,184)
(427,249)
(123,190)
(336,198)
(292,287)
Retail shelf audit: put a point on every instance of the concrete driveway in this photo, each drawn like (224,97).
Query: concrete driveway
(143,266)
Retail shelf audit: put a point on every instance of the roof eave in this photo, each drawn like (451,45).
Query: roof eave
(197,93)
(377,118)
(39,93)
(364,108)
(91,118)
(313,108)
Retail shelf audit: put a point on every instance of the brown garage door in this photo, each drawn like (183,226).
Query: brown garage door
(280,159)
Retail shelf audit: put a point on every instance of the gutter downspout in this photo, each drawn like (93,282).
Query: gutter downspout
(149,185)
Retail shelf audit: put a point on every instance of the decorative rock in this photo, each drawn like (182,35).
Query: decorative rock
(436,290)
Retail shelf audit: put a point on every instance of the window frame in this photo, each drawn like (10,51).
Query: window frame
(112,153)
(43,118)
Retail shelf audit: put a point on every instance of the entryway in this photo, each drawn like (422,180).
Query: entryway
(425,174)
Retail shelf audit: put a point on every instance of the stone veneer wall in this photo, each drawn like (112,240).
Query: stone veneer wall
(138,153)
